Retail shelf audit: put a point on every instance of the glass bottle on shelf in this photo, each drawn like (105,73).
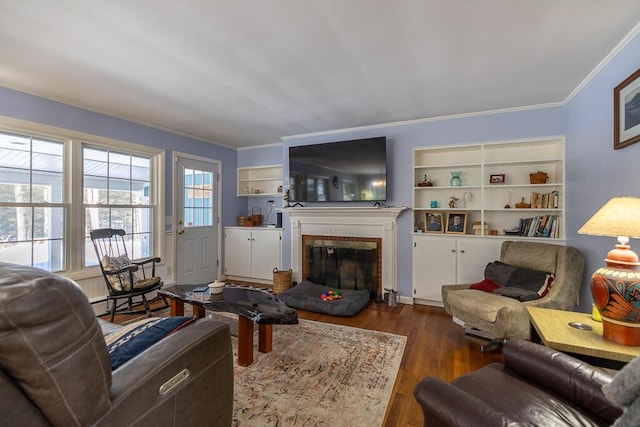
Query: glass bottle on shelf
(456,181)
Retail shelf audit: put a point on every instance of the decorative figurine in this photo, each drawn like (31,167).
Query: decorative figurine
(452,201)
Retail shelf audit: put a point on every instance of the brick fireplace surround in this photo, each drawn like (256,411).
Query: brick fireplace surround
(348,223)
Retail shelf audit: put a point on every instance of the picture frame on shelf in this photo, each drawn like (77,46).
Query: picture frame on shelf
(456,223)
(626,111)
(434,222)
(498,178)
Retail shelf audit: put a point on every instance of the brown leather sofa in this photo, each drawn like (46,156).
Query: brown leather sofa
(55,368)
(536,386)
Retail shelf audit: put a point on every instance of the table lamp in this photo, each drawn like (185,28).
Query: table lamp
(616,287)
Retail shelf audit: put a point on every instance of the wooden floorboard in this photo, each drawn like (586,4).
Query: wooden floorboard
(435,347)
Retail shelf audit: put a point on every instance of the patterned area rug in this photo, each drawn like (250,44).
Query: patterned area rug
(318,375)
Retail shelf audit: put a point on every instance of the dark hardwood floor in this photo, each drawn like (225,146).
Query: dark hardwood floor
(435,347)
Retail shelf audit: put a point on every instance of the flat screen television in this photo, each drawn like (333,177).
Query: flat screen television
(345,171)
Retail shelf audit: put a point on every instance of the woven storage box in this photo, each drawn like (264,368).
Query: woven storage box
(245,221)
(281,280)
(538,178)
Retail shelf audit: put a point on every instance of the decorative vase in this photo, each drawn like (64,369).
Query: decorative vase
(616,294)
(456,181)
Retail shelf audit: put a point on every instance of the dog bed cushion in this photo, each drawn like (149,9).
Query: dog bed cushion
(306,296)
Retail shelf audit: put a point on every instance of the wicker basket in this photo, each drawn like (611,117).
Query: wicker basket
(281,280)
(245,221)
(538,178)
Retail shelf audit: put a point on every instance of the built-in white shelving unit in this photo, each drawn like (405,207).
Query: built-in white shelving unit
(259,180)
(480,197)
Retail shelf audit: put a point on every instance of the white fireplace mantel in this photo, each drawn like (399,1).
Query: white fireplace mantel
(347,222)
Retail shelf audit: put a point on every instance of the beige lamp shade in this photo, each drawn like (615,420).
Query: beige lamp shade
(620,216)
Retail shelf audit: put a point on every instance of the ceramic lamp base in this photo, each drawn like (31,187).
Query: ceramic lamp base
(621,333)
(616,291)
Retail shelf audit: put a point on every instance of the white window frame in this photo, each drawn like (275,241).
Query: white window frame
(73,198)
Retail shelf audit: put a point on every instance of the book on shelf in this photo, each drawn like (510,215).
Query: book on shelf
(544,200)
(540,226)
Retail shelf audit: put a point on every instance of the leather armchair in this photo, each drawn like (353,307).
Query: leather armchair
(503,317)
(535,386)
(55,368)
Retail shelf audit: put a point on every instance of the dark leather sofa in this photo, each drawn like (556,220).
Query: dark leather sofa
(536,386)
(55,367)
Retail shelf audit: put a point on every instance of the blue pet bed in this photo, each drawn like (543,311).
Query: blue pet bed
(306,296)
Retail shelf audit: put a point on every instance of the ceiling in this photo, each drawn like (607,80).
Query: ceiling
(242,73)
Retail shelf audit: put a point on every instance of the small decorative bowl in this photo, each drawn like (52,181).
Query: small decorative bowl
(216,287)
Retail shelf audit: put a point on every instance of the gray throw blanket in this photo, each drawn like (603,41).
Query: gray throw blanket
(624,391)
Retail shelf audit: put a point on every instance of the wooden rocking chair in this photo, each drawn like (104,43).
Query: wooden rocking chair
(125,278)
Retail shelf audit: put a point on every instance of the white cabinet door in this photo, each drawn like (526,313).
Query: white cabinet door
(237,252)
(252,253)
(439,261)
(473,256)
(434,265)
(265,253)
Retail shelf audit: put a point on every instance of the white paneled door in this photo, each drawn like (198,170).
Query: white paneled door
(197,224)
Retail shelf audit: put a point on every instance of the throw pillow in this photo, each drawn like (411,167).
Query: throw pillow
(487,285)
(122,281)
(499,272)
(126,343)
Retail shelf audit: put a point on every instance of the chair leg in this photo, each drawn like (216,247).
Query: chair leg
(146,305)
(113,309)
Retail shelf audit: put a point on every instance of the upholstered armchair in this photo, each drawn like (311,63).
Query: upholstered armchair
(55,368)
(503,317)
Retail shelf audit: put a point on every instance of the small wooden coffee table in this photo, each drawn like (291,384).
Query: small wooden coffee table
(553,328)
(251,306)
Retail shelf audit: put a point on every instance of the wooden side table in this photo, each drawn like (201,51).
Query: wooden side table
(554,330)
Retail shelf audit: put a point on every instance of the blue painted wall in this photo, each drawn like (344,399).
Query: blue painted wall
(595,171)
(22,106)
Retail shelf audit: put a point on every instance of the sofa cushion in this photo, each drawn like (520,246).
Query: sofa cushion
(120,281)
(481,304)
(46,365)
(133,339)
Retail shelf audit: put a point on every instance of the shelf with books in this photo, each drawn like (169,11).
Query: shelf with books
(495,176)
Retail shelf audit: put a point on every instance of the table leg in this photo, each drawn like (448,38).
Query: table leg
(265,337)
(198,311)
(245,341)
(176,307)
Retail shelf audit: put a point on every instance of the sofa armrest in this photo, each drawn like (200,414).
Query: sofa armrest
(445,291)
(205,397)
(565,375)
(444,404)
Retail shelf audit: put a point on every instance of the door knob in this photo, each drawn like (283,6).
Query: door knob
(181,232)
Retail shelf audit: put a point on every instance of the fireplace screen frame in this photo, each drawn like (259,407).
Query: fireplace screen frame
(342,242)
